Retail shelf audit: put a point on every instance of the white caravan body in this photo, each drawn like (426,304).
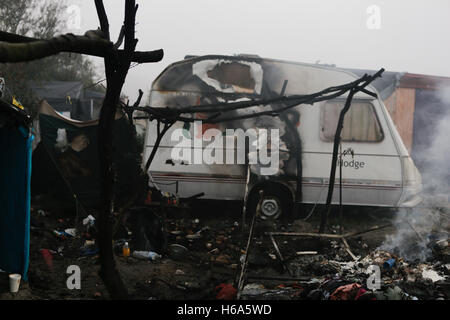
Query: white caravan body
(377,170)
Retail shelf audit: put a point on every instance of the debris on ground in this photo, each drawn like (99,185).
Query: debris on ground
(193,254)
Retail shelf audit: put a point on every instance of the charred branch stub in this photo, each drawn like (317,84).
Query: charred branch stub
(129,111)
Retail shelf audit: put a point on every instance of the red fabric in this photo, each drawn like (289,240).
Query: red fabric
(227,292)
(360,292)
(347,292)
(364,295)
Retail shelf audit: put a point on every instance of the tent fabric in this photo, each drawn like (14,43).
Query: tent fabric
(69,96)
(15,177)
(67,156)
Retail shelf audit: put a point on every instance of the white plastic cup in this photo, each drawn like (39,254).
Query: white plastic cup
(14,282)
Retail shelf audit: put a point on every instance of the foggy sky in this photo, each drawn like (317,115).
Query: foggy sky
(413,35)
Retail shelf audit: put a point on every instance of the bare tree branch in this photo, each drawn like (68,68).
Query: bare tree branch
(92,43)
(103,18)
(16,48)
(120,39)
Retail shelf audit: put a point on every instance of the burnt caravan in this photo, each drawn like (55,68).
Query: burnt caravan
(376,167)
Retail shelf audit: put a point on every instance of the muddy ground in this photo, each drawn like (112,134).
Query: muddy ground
(213,258)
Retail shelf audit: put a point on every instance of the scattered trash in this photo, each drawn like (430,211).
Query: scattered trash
(317,268)
(300,253)
(253,286)
(14,282)
(194,236)
(62,234)
(226,292)
(197,235)
(71,231)
(89,221)
(146,255)
(395,293)
(432,275)
(126,250)
(389,264)
(347,292)
(214,251)
(177,251)
(88,243)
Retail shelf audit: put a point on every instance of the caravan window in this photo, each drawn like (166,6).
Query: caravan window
(360,123)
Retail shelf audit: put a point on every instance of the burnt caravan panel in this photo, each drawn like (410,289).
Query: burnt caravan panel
(377,169)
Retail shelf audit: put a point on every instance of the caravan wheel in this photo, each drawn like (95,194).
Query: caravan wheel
(270,208)
(276,202)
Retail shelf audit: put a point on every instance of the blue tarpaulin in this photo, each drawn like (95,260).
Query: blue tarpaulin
(15,176)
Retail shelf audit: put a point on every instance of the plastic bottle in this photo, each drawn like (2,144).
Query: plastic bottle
(146,255)
(126,250)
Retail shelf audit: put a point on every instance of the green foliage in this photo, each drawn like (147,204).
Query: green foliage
(40,19)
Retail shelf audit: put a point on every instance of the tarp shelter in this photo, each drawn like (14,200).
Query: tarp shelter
(15,177)
(70,98)
(66,161)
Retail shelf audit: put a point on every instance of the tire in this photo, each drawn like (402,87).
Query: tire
(276,203)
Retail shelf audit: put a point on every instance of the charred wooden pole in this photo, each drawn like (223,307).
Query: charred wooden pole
(116,70)
(241,279)
(337,141)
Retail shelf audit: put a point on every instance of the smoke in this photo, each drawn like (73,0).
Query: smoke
(415,228)
(411,240)
(436,155)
